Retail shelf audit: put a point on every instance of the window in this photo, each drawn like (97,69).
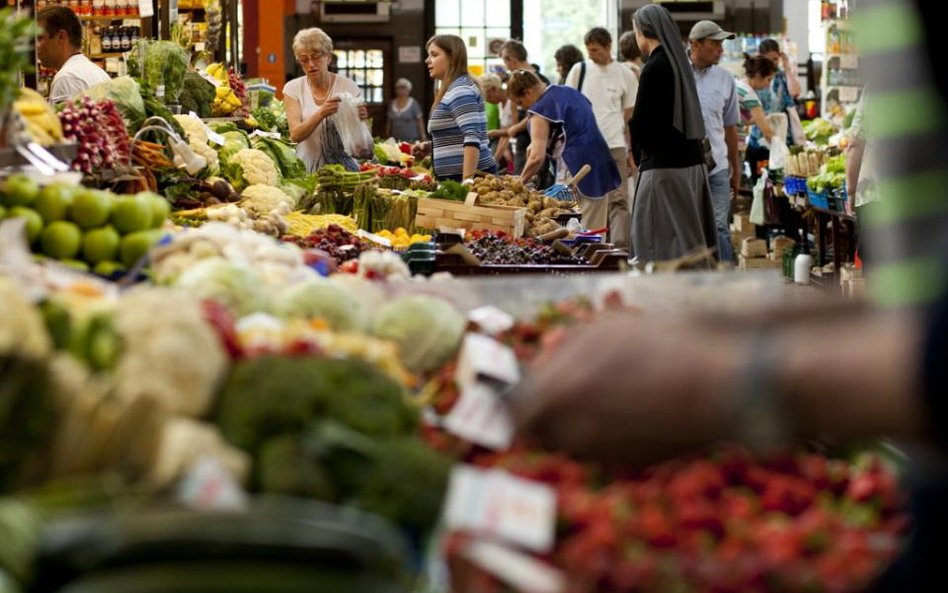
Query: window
(562,23)
(367,68)
(480,23)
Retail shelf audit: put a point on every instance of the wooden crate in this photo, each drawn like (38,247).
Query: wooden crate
(435,214)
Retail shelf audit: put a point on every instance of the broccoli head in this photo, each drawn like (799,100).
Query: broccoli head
(283,467)
(273,395)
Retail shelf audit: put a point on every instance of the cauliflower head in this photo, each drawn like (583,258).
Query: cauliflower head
(236,286)
(197,140)
(319,298)
(261,200)
(250,166)
(427,330)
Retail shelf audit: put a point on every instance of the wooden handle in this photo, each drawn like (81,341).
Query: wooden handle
(583,171)
(559,233)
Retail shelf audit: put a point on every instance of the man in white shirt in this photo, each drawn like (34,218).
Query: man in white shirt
(59,47)
(611,88)
(717,91)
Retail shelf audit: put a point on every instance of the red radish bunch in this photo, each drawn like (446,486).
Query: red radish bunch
(99,130)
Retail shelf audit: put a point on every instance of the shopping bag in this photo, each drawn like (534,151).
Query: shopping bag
(796,126)
(778,144)
(757,215)
(355,135)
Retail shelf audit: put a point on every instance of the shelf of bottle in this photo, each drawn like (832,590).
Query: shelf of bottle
(109,18)
(107,54)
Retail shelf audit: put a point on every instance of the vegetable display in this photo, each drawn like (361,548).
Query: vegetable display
(163,68)
(99,129)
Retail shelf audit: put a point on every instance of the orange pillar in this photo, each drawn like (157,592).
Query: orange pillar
(270,62)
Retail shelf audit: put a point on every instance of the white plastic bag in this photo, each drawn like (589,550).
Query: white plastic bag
(355,135)
(757,206)
(778,144)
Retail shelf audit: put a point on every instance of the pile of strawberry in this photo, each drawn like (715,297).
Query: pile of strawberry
(724,522)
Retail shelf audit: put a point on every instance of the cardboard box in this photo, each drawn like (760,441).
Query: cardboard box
(752,247)
(780,244)
(758,263)
(743,225)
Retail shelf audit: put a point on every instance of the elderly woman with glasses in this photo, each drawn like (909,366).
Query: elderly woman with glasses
(312,98)
(406,120)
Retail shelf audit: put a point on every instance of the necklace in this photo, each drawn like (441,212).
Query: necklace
(312,89)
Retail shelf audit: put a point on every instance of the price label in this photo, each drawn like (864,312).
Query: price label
(146,8)
(480,417)
(262,134)
(491,319)
(363,234)
(208,486)
(496,504)
(524,572)
(483,358)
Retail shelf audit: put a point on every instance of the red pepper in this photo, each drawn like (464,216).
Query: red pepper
(405,148)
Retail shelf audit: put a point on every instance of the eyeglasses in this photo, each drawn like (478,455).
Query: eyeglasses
(311,58)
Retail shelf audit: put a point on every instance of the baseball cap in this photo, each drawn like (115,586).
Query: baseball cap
(709,30)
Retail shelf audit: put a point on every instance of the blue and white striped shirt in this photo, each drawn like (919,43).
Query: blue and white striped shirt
(458,121)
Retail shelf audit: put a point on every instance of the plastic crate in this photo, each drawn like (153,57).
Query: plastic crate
(794,186)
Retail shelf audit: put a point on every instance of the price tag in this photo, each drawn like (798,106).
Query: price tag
(363,234)
(160,91)
(203,74)
(524,572)
(483,358)
(480,417)
(208,486)
(496,504)
(262,134)
(491,319)
(145,8)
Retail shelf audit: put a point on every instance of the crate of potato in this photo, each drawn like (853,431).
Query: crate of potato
(436,214)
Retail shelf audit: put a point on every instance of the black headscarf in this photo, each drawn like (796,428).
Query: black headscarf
(656,22)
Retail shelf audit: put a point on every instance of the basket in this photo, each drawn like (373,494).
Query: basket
(794,186)
(438,214)
(828,199)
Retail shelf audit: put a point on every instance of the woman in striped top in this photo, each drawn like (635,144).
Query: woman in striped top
(458,124)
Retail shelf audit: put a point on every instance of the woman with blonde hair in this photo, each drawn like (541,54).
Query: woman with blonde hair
(457,125)
(313,98)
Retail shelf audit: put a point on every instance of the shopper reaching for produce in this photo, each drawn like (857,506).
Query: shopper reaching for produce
(458,123)
(563,127)
(312,98)
(659,386)
(59,47)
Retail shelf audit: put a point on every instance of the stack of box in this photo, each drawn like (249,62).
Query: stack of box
(741,228)
(754,255)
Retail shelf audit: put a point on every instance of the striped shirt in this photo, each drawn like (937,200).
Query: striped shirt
(458,121)
(747,100)
(907,124)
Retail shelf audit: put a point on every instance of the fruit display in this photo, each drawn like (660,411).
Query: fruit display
(42,123)
(339,243)
(401,239)
(302,225)
(496,247)
(89,228)
(227,98)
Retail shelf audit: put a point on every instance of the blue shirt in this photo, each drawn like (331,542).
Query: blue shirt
(456,122)
(717,93)
(573,130)
(756,138)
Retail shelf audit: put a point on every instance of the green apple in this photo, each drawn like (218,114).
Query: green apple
(19,190)
(75,264)
(61,239)
(131,213)
(34,224)
(100,244)
(135,246)
(91,208)
(54,201)
(109,269)
(160,208)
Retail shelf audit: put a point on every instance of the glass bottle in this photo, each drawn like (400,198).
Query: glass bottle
(107,40)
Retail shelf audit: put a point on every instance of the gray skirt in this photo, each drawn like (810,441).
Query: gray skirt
(672,214)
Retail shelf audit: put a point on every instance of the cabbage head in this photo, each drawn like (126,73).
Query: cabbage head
(235,286)
(318,298)
(427,330)
(126,94)
(234,142)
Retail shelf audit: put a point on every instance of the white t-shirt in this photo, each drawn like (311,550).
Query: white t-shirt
(611,89)
(310,150)
(76,75)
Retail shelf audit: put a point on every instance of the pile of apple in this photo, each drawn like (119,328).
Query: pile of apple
(90,229)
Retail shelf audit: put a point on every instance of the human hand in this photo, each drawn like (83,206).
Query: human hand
(632,389)
(329,107)
(633,168)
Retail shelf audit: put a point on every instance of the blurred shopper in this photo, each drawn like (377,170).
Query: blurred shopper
(312,98)
(514,55)
(786,86)
(406,120)
(59,47)
(496,96)
(562,126)
(566,56)
(758,76)
(611,88)
(672,212)
(630,53)
(718,95)
(458,124)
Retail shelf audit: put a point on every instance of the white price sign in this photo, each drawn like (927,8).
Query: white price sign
(483,357)
(494,503)
(480,417)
